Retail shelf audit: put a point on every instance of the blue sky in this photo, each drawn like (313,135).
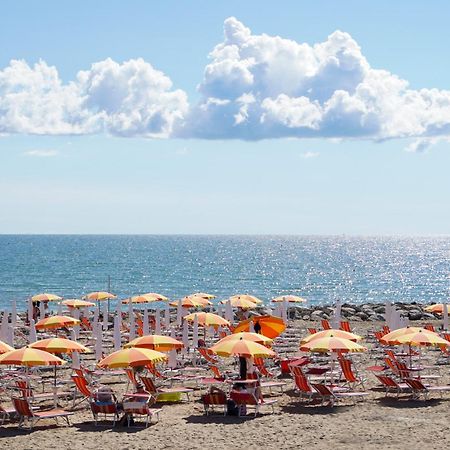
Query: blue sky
(271,155)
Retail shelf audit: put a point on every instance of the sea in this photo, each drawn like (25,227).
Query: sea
(322,269)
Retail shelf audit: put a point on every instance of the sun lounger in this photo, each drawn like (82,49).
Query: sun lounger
(250,399)
(419,389)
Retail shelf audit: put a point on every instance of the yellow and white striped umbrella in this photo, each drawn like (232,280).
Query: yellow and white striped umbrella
(75,303)
(155,342)
(242,347)
(4,347)
(55,322)
(146,298)
(207,319)
(99,295)
(289,299)
(45,298)
(331,344)
(29,357)
(255,337)
(59,345)
(131,357)
(248,297)
(326,333)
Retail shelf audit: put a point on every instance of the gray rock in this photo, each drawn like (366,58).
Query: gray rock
(415,314)
(362,315)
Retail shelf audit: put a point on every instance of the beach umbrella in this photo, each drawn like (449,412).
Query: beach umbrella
(105,313)
(167,316)
(172,363)
(4,347)
(238,302)
(55,322)
(229,312)
(203,295)
(179,312)
(271,326)
(99,296)
(191,302)
(146,298)
(74,303)
(116,333)
(445,316)
(289,299)
(42,310)
(284,307)
(131,357)
(119,312)
(336,321)
(145,325)
(98,341)
(420,338)
(13,313)
(207,319)
(331,344)
(250,298)
(436,308)
(32,334)
(327,333)
(242,347)
(59,345)
(255,337)
(45,298)
(392,337)
(185,335)
(132,321)
(29,357)
(157,321)
(155,342)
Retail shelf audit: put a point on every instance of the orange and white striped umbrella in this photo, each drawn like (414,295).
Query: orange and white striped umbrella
(131,357)
(289,299)
(207,319)
(59,345)
(192,302)
(203,295)
(55,322)
(437,308)
(146,298)
(238,302)
(75,303)
(29,357)
(242,347)
(255,337)
(45,298)
(155,342)
(99,295)
(248,297)
(4,347)
(331,344)
(336,333)
(271,326)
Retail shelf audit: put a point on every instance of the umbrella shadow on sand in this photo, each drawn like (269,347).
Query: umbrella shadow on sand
(107,426)
(314,409)
(405,402)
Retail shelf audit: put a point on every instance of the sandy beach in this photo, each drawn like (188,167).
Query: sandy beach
(376,422)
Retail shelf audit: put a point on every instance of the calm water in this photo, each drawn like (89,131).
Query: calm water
(321,269)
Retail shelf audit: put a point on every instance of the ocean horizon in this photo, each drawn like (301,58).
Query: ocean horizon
(323,269)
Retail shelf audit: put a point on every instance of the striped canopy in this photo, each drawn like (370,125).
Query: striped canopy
(422,337)
(192,302)
(155,342)
(59,345)
(75,303)
(131,357)
(238,302)
(271,326)
(54,322)
(289,299)
(391,338)
(255,337)
(146,298)
(250,298)
(242,347)
(30,357)
(207,319)
(4,347)
(99,295)
(331,344)
(336,333)
(45,298)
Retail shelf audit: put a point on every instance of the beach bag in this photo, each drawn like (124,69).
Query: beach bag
(232,408)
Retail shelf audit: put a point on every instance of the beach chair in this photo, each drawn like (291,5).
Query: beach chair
(302,385)
(419,389)
(133,408)
(213,399)
(83,387)
(332,396)
(345,326)
(27,392)
(386,330)
(5,413)
(208,355)
(312,330)
(351,378)
(250,400)
(325,324)
(131,376)
(85,324)
(430,327)
(27,414)
(390,385)
(106,409)
(158,392)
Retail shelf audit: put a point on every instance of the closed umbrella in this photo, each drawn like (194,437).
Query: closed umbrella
(157,321)
(145,328)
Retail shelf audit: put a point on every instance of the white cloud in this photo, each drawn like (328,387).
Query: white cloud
(129,99)
(254,87)
(42,153)
(309,155)
(326,90)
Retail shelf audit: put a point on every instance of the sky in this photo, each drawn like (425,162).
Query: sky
(230,117)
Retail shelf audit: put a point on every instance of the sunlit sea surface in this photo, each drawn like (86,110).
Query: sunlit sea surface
(321,269)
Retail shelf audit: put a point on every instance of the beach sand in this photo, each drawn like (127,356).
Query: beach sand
(372,424)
